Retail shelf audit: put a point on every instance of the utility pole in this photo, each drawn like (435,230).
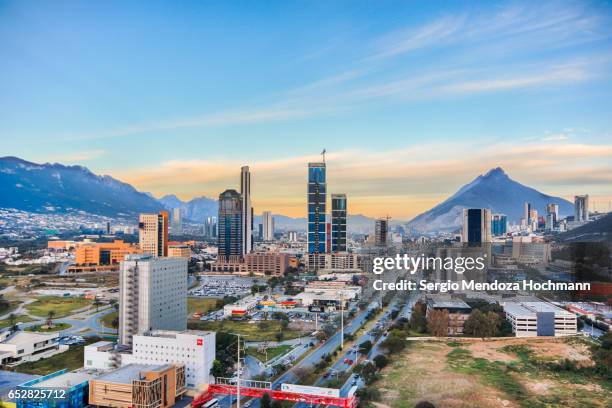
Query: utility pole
(239,367)
(342,321)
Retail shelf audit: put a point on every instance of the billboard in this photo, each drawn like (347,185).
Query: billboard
(309,390)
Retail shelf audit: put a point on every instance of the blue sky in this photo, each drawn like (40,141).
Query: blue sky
(411,99)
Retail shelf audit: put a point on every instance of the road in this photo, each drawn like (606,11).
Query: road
(314,357)
(85,322)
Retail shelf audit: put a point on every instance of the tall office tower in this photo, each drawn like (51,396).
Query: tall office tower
(550,222)
(152,295)
(499,223)
(210,227)
(554,210)
(581,207)
(527,213)
(380,232)
(338,223)
(108,228)
(229,226)
(268,226)
(177,225)
(247,210)
(260,233)
(476,225)
(317,200)
(292,236)
(153,233)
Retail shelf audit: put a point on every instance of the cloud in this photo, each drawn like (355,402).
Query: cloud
(402,182)
(473,53)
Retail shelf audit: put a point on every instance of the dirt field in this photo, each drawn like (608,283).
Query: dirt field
(505,373)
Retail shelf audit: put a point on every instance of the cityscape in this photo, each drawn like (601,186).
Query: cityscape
(387,224)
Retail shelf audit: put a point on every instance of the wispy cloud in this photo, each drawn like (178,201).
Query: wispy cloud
(475,53)
(402,182)
(80,156)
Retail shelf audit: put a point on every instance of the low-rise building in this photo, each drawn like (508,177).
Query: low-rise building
(530,319)
(256,263)
(19,347)
(138,385)
(458,313)
(179,250)
(72,387)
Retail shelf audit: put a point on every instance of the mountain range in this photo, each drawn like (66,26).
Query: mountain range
(494,190)
(46,188)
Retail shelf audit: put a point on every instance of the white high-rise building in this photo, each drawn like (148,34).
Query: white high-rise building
(581,208)
(268,226)
(152,295)
(177,225)
(247,210)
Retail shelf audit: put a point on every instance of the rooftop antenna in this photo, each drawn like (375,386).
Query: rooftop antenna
(323,154)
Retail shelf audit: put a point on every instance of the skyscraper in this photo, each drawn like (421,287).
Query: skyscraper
(476,225)
(554,210)
(338,223)
(152,295)
(499,224)
(230,226)
(317,200)
(380,232)
(153,233)
(581,207)
(247,210)
(177,225)
(527,213)
(210,227)
(268,226)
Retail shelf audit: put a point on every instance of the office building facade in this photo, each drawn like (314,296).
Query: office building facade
(381,228)
(499,224)
(230,226)
(317,200)
(338,222)
(268,226)
(177,223)
(476,225)
(153,233)
(152,295)
(581,208)
(210,227)
(246,211)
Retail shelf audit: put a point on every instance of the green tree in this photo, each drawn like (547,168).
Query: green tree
(418,322)
(365,347)
(395,341)
(437,322)
(50,316)
(380,361)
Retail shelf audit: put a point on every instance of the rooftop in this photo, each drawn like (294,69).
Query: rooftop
(448,304)
(21,337)
(130,372)
(65,380)
(532,308)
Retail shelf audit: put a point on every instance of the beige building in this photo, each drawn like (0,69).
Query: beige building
(179,251)
(153,233)
(152,295)
(256,263)
(139,385)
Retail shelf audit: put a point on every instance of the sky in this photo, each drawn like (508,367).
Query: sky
(411,100)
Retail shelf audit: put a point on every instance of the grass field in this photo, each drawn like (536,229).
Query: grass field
(70,359)
(62,306)
(56,327)
(271,352)
(107,319)
(264,331)
(19,319)
(511,373)
(201,305)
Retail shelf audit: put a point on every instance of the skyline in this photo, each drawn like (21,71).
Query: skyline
(411,102)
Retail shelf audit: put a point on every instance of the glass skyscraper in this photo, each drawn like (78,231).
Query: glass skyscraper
(317,190)
(499,224)
(338,223)
(229,226)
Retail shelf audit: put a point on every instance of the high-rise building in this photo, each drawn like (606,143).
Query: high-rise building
(292,236)
(380,232)
(476,225)
(554,210)
(152,295)
(550,222)
(230,226)
(527,213)
(499,223)
(317,199)
(268,226)
(153,233)
(581,207)
(210,227)
(338,223)
(177,225)
(247,210)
